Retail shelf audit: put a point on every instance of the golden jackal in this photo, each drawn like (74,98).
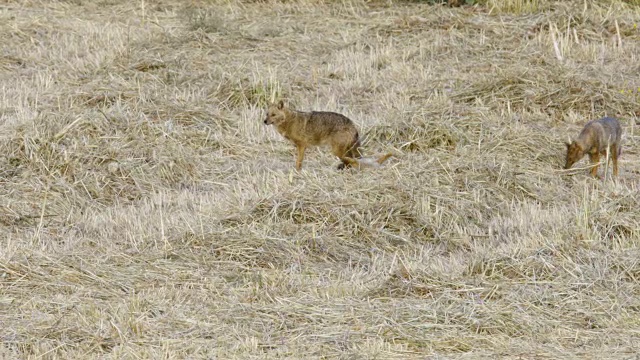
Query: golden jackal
(600,136)
(316,128)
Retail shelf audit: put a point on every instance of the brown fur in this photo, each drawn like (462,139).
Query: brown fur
(596,138)
(316,128)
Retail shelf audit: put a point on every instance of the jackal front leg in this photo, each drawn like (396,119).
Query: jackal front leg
(301,148)
(595,159)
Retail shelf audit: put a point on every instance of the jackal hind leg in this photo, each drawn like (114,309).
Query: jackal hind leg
(614,150)
(594,158)
(341,152)
(354,151)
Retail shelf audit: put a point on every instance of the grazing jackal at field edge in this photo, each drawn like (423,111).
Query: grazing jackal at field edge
(597,137)
(316,128)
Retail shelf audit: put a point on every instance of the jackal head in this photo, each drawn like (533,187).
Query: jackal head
(275,113)
(574,153)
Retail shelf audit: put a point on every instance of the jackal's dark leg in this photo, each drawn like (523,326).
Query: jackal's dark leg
(354,151)
(614,156)
(595,159)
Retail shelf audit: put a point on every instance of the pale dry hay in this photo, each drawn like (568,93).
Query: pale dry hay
(146,211)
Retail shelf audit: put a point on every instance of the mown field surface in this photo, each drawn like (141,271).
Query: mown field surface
(146,212)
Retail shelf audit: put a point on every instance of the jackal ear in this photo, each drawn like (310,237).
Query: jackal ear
(280,105)
(569,141)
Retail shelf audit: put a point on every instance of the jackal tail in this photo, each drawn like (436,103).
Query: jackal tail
(368,161)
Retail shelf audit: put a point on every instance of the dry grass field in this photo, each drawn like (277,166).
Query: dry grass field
(146,212)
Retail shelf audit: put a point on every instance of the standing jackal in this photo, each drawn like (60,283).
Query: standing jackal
(316,128)
(600,136)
